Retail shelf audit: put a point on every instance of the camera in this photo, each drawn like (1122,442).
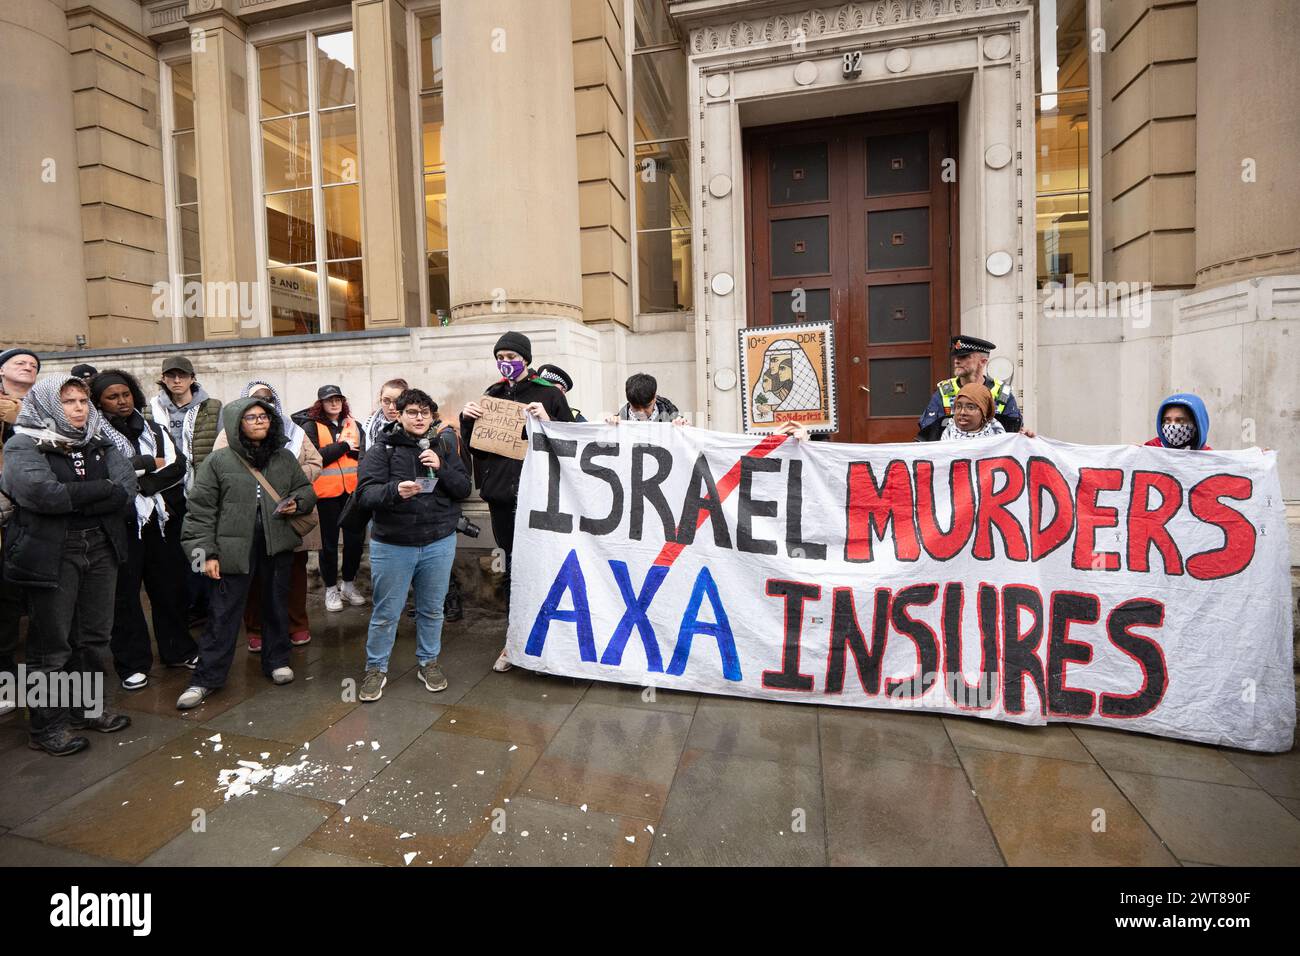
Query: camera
(467,527)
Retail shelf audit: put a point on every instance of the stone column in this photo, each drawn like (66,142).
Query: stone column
(226,200)
(512,172)
(41,256)
(390,238)
(1247,207)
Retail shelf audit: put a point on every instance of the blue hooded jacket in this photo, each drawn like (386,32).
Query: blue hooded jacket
(1199,415)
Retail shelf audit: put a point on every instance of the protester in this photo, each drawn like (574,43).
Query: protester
(563,381)
(970,359)
(73,489)
(85,372)
(18,370)
(188,412)
(972,415)
(194,420)
(240,528)
(153,535)
(645,404)
(310,461)
(411,483)
(332,429)
(385,414)
(1182,422)
(497,476)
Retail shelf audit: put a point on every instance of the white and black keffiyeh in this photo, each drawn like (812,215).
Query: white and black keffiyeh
(42,416)
(990,428)
(145,505)
(376,425)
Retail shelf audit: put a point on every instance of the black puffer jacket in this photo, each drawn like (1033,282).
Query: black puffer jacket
(497,476)
(421,519)
(43,482)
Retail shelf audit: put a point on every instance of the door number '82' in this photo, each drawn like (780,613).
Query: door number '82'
(852,64)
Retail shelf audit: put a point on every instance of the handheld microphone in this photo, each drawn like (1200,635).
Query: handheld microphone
(424,446)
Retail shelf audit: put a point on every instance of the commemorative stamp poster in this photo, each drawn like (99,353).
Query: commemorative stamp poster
(788,373)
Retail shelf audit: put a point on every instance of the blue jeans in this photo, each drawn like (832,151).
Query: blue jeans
(393,569)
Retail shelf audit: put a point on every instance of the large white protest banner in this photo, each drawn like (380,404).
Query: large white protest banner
(1018,579)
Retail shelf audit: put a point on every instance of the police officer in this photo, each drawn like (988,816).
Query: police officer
(970,357)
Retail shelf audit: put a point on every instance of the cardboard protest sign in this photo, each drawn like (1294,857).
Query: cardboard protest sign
(788,373)
(500,428)
(1010,578)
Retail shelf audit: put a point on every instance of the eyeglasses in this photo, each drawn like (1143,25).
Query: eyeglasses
(256,419)
(416,413)
(963,407)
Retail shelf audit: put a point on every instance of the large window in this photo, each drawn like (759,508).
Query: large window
(311,189)
(661,168)
(1063,184)
(183,223)
(433,170)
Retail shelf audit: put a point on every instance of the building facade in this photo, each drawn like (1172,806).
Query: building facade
(331,191)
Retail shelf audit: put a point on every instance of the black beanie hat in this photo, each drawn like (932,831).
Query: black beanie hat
(515,342)
(10,353)
(100,383)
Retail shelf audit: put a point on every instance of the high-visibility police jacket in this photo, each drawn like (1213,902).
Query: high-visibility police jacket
(1005,409)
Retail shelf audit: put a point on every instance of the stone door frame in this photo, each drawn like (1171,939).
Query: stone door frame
(747,71)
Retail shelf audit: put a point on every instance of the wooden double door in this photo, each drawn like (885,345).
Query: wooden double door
(853,221)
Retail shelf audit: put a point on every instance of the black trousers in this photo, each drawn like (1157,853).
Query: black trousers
(329,510)
(503,529)
(227,598)
(70,625)
(154,559)
(13,604)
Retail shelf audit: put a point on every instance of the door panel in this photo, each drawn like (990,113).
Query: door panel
(850,221)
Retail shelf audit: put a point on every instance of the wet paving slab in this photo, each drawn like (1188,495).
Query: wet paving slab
(528,769)
(617,760)
(729,810)
(131,813)
(34,781)
(1047,811)
(886,812)
(537,833)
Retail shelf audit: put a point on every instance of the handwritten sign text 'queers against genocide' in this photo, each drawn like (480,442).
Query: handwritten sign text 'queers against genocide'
(1025,580)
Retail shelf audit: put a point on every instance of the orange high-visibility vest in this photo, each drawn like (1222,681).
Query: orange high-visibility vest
(341,476)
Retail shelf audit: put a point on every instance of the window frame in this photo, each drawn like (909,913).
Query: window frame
(415,9)
(308,27)
(175,286)
(1094,194)
(630,51)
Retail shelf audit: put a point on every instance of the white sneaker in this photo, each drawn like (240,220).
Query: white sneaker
(136,681)
(502,665)
(350,594)
(282,675)
(192,697)
(333,602)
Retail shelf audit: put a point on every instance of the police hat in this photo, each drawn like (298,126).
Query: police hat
(968,345)
(553,373)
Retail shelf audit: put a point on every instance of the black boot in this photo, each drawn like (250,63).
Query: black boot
(105,723)
(49,732)
(453,609)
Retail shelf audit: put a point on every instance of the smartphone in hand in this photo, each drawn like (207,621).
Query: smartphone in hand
(283,504)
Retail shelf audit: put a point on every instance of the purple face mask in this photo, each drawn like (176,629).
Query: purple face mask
(512,369)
